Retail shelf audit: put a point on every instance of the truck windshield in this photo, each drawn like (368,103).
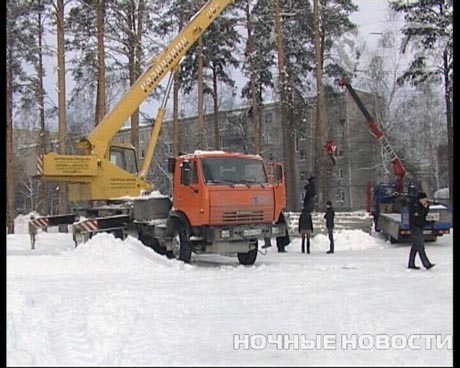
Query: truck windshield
(233,171)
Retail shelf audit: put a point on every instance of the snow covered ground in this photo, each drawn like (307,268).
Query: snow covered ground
(110,302)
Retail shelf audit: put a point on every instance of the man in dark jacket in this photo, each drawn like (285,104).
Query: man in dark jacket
(417,221)
(305,229)
(329,216)
(310,193)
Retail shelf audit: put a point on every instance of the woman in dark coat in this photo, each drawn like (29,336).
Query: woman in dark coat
(305,228)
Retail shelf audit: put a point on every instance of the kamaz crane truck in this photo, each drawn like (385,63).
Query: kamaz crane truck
(222,202)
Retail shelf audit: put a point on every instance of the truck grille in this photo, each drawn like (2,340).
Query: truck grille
(242,216)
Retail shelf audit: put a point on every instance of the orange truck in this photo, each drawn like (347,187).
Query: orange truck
(221,202)
(224,203)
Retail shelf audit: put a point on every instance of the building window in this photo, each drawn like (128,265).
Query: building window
(341,174)
(268,118)
(303,175)
(303,154)
(339,131)
(267,136)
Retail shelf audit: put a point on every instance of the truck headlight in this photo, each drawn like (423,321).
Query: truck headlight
(225,234)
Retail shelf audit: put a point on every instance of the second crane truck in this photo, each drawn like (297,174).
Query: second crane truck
(390,200)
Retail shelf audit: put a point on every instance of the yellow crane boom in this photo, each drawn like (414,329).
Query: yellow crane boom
(107,170)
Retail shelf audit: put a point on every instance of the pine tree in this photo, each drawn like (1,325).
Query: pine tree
(85,25)
(259,59)
(428,29)
(128,24)
(176,13)
(34,102)
(17,42)
(218,55)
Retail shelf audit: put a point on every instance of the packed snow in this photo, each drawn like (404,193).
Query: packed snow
(117,303)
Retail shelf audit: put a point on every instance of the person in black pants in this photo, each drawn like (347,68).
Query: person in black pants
(417,221)
(305,228)
(329,216)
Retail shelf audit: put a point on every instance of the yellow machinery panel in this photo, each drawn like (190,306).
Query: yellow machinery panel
(91,178)
(66,165)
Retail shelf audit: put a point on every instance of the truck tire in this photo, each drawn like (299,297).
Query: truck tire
(248,258)
(151,242)
(182,249)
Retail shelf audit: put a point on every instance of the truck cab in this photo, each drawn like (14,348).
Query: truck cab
(225,203)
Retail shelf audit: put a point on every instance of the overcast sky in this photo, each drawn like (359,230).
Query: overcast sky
(371,14)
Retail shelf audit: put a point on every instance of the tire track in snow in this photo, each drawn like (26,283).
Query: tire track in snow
(68,336)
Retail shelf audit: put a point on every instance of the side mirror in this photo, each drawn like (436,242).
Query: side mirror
(171,164)
(186,173)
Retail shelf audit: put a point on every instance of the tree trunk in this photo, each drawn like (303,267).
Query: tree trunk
(41,106)
(175,122)
(61,103)
(10,210)
(320,131)
(216,110)
(135,57)
(287,153)
(450,136)
(176,90)
(200,142)
(100,98)
(253,84)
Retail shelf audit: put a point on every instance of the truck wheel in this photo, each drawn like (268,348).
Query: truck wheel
(248,258)
(181,248)
(118,234)
(151,242)
(393,240)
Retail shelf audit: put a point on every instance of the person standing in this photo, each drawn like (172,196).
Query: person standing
(417,221)
(305,229)
(310,193)
(329,216)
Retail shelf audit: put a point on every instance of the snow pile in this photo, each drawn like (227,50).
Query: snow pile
(347,240)
(102,254)
(21,222)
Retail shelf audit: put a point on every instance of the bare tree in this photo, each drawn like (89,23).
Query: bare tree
(200,128)
(252,81)
(10,211)
(320,125)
